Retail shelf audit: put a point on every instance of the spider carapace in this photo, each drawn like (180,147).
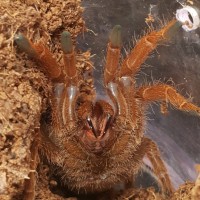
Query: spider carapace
(97,144)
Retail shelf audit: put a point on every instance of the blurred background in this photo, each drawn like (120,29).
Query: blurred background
(177,134)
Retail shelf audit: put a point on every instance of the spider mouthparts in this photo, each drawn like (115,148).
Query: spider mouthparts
(66,42)
(115,37)
(24,44)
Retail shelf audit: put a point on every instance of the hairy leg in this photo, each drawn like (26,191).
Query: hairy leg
(159,168)
(131,65)
(168,94)
(137,56)
(41,54)
(65,94)
(65,87)
(113,55)
(70,71)
(47,63)
(29,188)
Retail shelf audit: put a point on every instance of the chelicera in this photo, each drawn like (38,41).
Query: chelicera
(99,143)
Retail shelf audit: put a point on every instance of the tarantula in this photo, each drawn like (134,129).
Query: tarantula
(99,143)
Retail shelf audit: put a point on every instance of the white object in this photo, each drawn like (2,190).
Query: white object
(189,17)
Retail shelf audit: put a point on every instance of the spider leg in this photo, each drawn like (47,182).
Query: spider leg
(65,94)
(159,168)
(166,93)
(120,89)
(118,81)
(127,85)
(42,55)
(29,185)
(111,72)
(65,82)
(131,65)
(69,60)
(113,55)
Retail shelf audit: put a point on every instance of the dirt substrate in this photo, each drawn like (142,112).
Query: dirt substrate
(23,88)
(24,91)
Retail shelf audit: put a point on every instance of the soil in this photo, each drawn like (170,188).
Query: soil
(24,91)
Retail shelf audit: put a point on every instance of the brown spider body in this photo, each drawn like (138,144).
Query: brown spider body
(89,164)
(98,144)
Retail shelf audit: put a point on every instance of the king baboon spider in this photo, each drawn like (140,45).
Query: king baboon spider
(99,143)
